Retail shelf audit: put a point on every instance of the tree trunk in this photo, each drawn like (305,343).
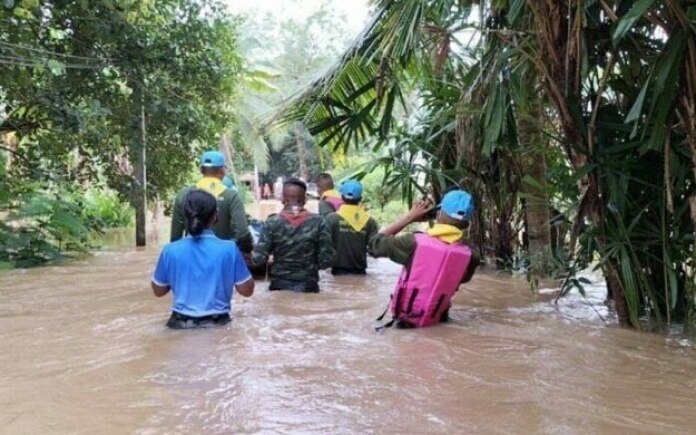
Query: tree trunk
(301,151)
(139,194)
(537,212)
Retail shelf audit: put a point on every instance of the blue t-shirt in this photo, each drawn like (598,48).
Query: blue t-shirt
(201,272)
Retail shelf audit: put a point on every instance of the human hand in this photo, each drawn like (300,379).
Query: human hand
(419,210)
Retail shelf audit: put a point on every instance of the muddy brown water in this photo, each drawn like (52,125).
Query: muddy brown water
(84,350)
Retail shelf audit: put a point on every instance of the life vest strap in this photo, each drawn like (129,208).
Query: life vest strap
(440,300)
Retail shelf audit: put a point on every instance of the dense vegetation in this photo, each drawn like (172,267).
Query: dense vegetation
(574,124)
(85,88)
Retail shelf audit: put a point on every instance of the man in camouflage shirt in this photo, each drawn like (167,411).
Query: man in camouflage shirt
(299,242)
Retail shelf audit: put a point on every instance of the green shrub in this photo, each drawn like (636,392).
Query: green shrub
(39,226)
(104,209)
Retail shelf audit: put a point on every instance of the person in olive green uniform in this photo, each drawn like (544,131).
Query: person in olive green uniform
(329,198)
(351,228)
(298,241)
(448,227)
(231,221)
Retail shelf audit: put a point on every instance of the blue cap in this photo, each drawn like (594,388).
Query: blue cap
(212,159)
(351,189)
(458,204)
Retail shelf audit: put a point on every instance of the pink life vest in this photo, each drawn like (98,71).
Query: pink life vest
(334,202)
(426,286)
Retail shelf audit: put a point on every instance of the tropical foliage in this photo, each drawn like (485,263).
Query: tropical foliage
(93,90)
(582,110)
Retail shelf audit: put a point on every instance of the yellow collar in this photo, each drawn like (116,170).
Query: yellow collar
(333,193)
(354,215)
(212,185)
(446,233)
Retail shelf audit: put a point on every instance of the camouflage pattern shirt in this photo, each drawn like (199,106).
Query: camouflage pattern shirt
(300,244)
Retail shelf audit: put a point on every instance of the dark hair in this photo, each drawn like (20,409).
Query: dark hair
(199,209)
(324,176)
(211,170)
(296,182)
(351,201)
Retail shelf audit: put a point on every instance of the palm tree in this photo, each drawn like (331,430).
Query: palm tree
(612,84)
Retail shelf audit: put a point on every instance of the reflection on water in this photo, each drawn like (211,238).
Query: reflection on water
(85,350)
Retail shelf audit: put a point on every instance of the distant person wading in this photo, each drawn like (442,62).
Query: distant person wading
(329,198)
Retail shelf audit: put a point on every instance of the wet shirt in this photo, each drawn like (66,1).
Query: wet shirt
(231,223)
(201,272)
(300,245)
(350,243)
(399,249)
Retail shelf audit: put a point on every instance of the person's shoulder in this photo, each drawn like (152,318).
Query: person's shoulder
(230,192)
(182,192)
(408,237)
(272,219)
(172,248)
(225,245)
(315,218)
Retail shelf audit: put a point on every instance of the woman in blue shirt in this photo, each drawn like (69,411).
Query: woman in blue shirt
(201,269)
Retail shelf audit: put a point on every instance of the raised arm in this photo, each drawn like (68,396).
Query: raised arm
(416,213)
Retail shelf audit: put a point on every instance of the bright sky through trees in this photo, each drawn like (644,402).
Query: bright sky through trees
(356,11)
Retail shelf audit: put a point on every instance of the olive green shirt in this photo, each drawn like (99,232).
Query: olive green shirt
(350,245)
(399,249)
(231,223)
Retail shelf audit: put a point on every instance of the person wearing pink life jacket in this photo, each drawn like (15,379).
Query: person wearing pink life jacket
(329,198)
(435,262)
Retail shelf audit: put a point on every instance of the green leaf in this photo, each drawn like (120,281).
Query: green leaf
(626,23)
(57,68)
(637,108)
(22,13)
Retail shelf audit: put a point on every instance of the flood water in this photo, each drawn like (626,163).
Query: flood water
(85,350)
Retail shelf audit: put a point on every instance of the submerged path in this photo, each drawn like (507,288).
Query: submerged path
(85,350)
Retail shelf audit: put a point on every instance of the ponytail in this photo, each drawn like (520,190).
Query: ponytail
(199,209)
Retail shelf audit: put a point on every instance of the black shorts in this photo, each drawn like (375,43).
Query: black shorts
(182,321)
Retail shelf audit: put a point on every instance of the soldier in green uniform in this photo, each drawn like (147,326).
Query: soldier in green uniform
(298,241)
(351,228)
(231,221)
